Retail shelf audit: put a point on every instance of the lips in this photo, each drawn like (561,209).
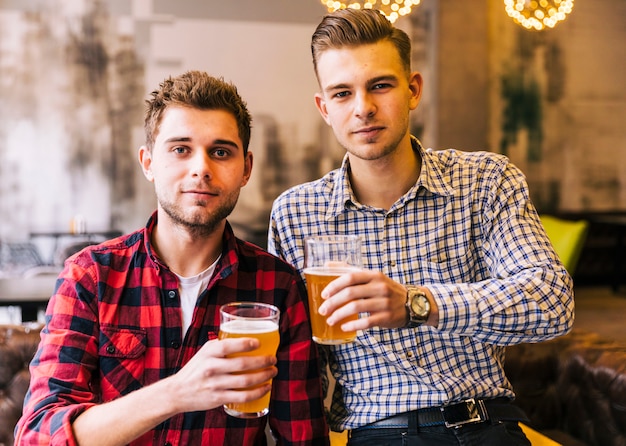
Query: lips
(200,193)
(369,131)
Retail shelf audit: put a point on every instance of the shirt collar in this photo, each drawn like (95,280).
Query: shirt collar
(230,249)
(342,196)
(431,178)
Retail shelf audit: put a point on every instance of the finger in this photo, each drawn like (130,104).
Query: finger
(349,300)
(241,364)
(378,309)
(231,388)
(245,395)
(351,308)
(368,320)
(224,347)
(345,280)
(251,379)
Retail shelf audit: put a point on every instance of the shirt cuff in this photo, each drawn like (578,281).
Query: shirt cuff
(457,306)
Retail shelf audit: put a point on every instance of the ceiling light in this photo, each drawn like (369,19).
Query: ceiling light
(392,9)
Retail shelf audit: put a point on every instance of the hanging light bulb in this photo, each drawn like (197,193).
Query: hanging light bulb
(538,14)
(392,9)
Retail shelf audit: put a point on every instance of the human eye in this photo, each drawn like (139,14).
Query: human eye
(220,153)
(180,150)
(341,94)
(381,86)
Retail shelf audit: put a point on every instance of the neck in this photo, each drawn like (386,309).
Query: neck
(380,183)
(185,253)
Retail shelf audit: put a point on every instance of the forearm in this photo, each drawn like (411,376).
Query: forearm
(529,308)
(123,420)
(118,421)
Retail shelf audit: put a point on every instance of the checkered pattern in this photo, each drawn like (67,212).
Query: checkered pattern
(114,324)
(468,231)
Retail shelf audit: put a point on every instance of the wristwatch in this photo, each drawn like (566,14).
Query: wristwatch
(417,307)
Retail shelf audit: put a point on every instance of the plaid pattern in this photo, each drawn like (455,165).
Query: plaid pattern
(105,337)
(468,231)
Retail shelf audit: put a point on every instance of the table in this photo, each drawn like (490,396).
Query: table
(89,236)
(106,234)
(29,294)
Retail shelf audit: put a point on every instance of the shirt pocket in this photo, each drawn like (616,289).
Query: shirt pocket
(122,360)
(447,262)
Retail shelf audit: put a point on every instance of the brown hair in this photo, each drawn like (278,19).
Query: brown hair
(354,27)
(198,90)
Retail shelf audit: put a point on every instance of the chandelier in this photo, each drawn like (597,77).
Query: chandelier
(538,14)
(392,9)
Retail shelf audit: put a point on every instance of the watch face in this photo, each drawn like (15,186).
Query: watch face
(420,305)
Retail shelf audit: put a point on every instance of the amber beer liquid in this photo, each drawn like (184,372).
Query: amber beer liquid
(316,280)
(267,333)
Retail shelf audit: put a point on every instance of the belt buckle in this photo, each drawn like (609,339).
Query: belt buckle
(466,412)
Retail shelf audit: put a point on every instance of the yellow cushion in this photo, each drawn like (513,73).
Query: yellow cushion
(535,438)
(338,438)
(567,237)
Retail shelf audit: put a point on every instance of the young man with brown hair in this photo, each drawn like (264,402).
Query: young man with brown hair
(129,353)
(456,263)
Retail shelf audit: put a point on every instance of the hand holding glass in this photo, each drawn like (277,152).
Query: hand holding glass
(251,320)
(326,257)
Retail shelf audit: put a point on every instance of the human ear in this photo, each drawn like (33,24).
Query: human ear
(415,86)
(145,159)
(247,168)
(320,103)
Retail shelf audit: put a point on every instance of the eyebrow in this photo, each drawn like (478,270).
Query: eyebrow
(370,82)
(220,142)
(226,142)
(178,139)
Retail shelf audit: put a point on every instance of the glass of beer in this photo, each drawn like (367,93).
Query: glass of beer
(251,320)
(326,257)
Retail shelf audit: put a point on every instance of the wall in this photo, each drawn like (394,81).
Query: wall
(570,79)
(462,75)
(73,76)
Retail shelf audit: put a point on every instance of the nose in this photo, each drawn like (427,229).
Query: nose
(201,164)
(365,106)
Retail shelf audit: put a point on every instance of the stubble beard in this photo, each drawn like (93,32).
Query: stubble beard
(200,222)
(363,151)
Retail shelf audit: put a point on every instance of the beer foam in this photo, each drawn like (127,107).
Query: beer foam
(330,271)
(248,327)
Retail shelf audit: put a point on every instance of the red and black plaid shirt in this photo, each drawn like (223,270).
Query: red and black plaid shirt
(114,325)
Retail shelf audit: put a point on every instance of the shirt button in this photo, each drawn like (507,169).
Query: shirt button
(110,349)
(171,294)
(175,344)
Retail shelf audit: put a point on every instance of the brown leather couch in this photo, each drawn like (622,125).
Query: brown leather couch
(17,346)
(573,388)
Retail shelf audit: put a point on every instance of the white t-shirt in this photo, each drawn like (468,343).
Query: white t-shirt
(190,289)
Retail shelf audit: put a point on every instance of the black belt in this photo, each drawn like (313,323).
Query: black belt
(455,415)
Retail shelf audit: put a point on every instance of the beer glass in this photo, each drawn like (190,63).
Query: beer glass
(326,257)
(251,320)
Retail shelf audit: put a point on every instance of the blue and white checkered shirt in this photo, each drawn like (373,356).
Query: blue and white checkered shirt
(466,230)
